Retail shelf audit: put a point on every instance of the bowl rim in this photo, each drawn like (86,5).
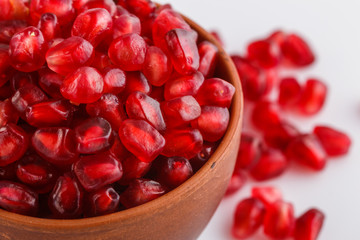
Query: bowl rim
(236,114)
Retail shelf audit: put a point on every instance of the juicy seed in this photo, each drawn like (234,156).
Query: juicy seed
(308,225)
(335,142)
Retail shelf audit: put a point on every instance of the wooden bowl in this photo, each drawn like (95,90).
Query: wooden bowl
(181,214)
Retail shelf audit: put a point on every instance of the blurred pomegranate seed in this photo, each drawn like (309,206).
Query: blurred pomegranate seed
(266,194)
(8,113)
(335,142)
(103,201)
(141,8)
(289,92)
(183,85)
(13,9)
(312,97)
(263,54)
(308,225)
(249,151)
(126,23)
(237,181)
(109,5)
(297,51)
(133,168)
(248,217)
(9,28)
(215,92)
(208,58)
(266,115)
(6,70)
(49,26)
(281,135)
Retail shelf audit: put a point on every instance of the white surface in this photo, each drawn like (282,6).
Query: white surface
(333,29)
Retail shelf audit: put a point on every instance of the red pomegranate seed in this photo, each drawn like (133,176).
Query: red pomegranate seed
(335,142)
(133,168)
(93,25)
(26,96)
(249,151)
(93,135)
(183,50)
(140,106)
(13,142)
(237,181)
(17,198)
(118,149)
(50,82)
(248,217)
(266,194)
(174,171)
(97,171)
(114,80)
(307,150)
(63,9)
(208,58)
(136,81)
(66,199)
(280,136)
(308,225)
(120,10)
(297,51)
(212,122)
(141,8)
(85,85)
(128,52)
(13,9)
(9,28)
(36,173)
(27,50)
(69,55)
(103,201)
(141,191)
(266,115)
(183,86)
(215,92)
(101,61)
(141,139)
(277,37)
(5,69)
(49,26)
(108,107)
(201,157)
(8,113)
(8,172)
(52,113)
(56,145)
(312,97)
(180,111)
(166,20)
(263,54)
(157,66)
(109,5)
(183,142)
(271,164)
(20,79)
(279,220)
(289,92)
(126,23)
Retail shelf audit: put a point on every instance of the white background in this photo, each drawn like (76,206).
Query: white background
(332,27)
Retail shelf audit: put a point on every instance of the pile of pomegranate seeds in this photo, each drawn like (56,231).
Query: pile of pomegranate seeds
(104,106)
(270,141)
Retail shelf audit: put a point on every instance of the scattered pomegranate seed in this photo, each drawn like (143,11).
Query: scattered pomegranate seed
(268,111)
(237,181)
(289,92)
(249,152)
(335,142)
(308,225)
(297,51)
(281,135)
(312,97)
(103,201)
(267,195)
(263,54)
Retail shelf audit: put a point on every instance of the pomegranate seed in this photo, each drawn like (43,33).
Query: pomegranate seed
(183,50)
(93,25)
(266,115)
(308,225)
(109,108)
(97,171)
(63,10)
(5,68)
(8,172)
(157,66)
(8,113)
(289,92)
(13,9)
(174,171)
(262,53)
(140,106)
(93,135)
(13,142)
(51,113)
(56,145)
(307,150)
(136,81)
(66,199)
(9,28)
(212,122)
(249,151)
(126,23)
(312,97)
(109,5)
(101,61)
(36,173)
(180,111)
(279,220)
(69,55)
(297,51)
(128,52)
(49,26)
(133,168)
(141,191)
(208,58)
(85,85)
(27,50)
(185,142)
(141,8)
(215,92)
(20,79)
(201,157)
(271,163)
(183,86)
(277,37)
(141,139)
(280,136)
(50,82)
(103,201)
(335,142)
(248,217)
(15,197)
(120,10)
(237,181)
(267,195)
